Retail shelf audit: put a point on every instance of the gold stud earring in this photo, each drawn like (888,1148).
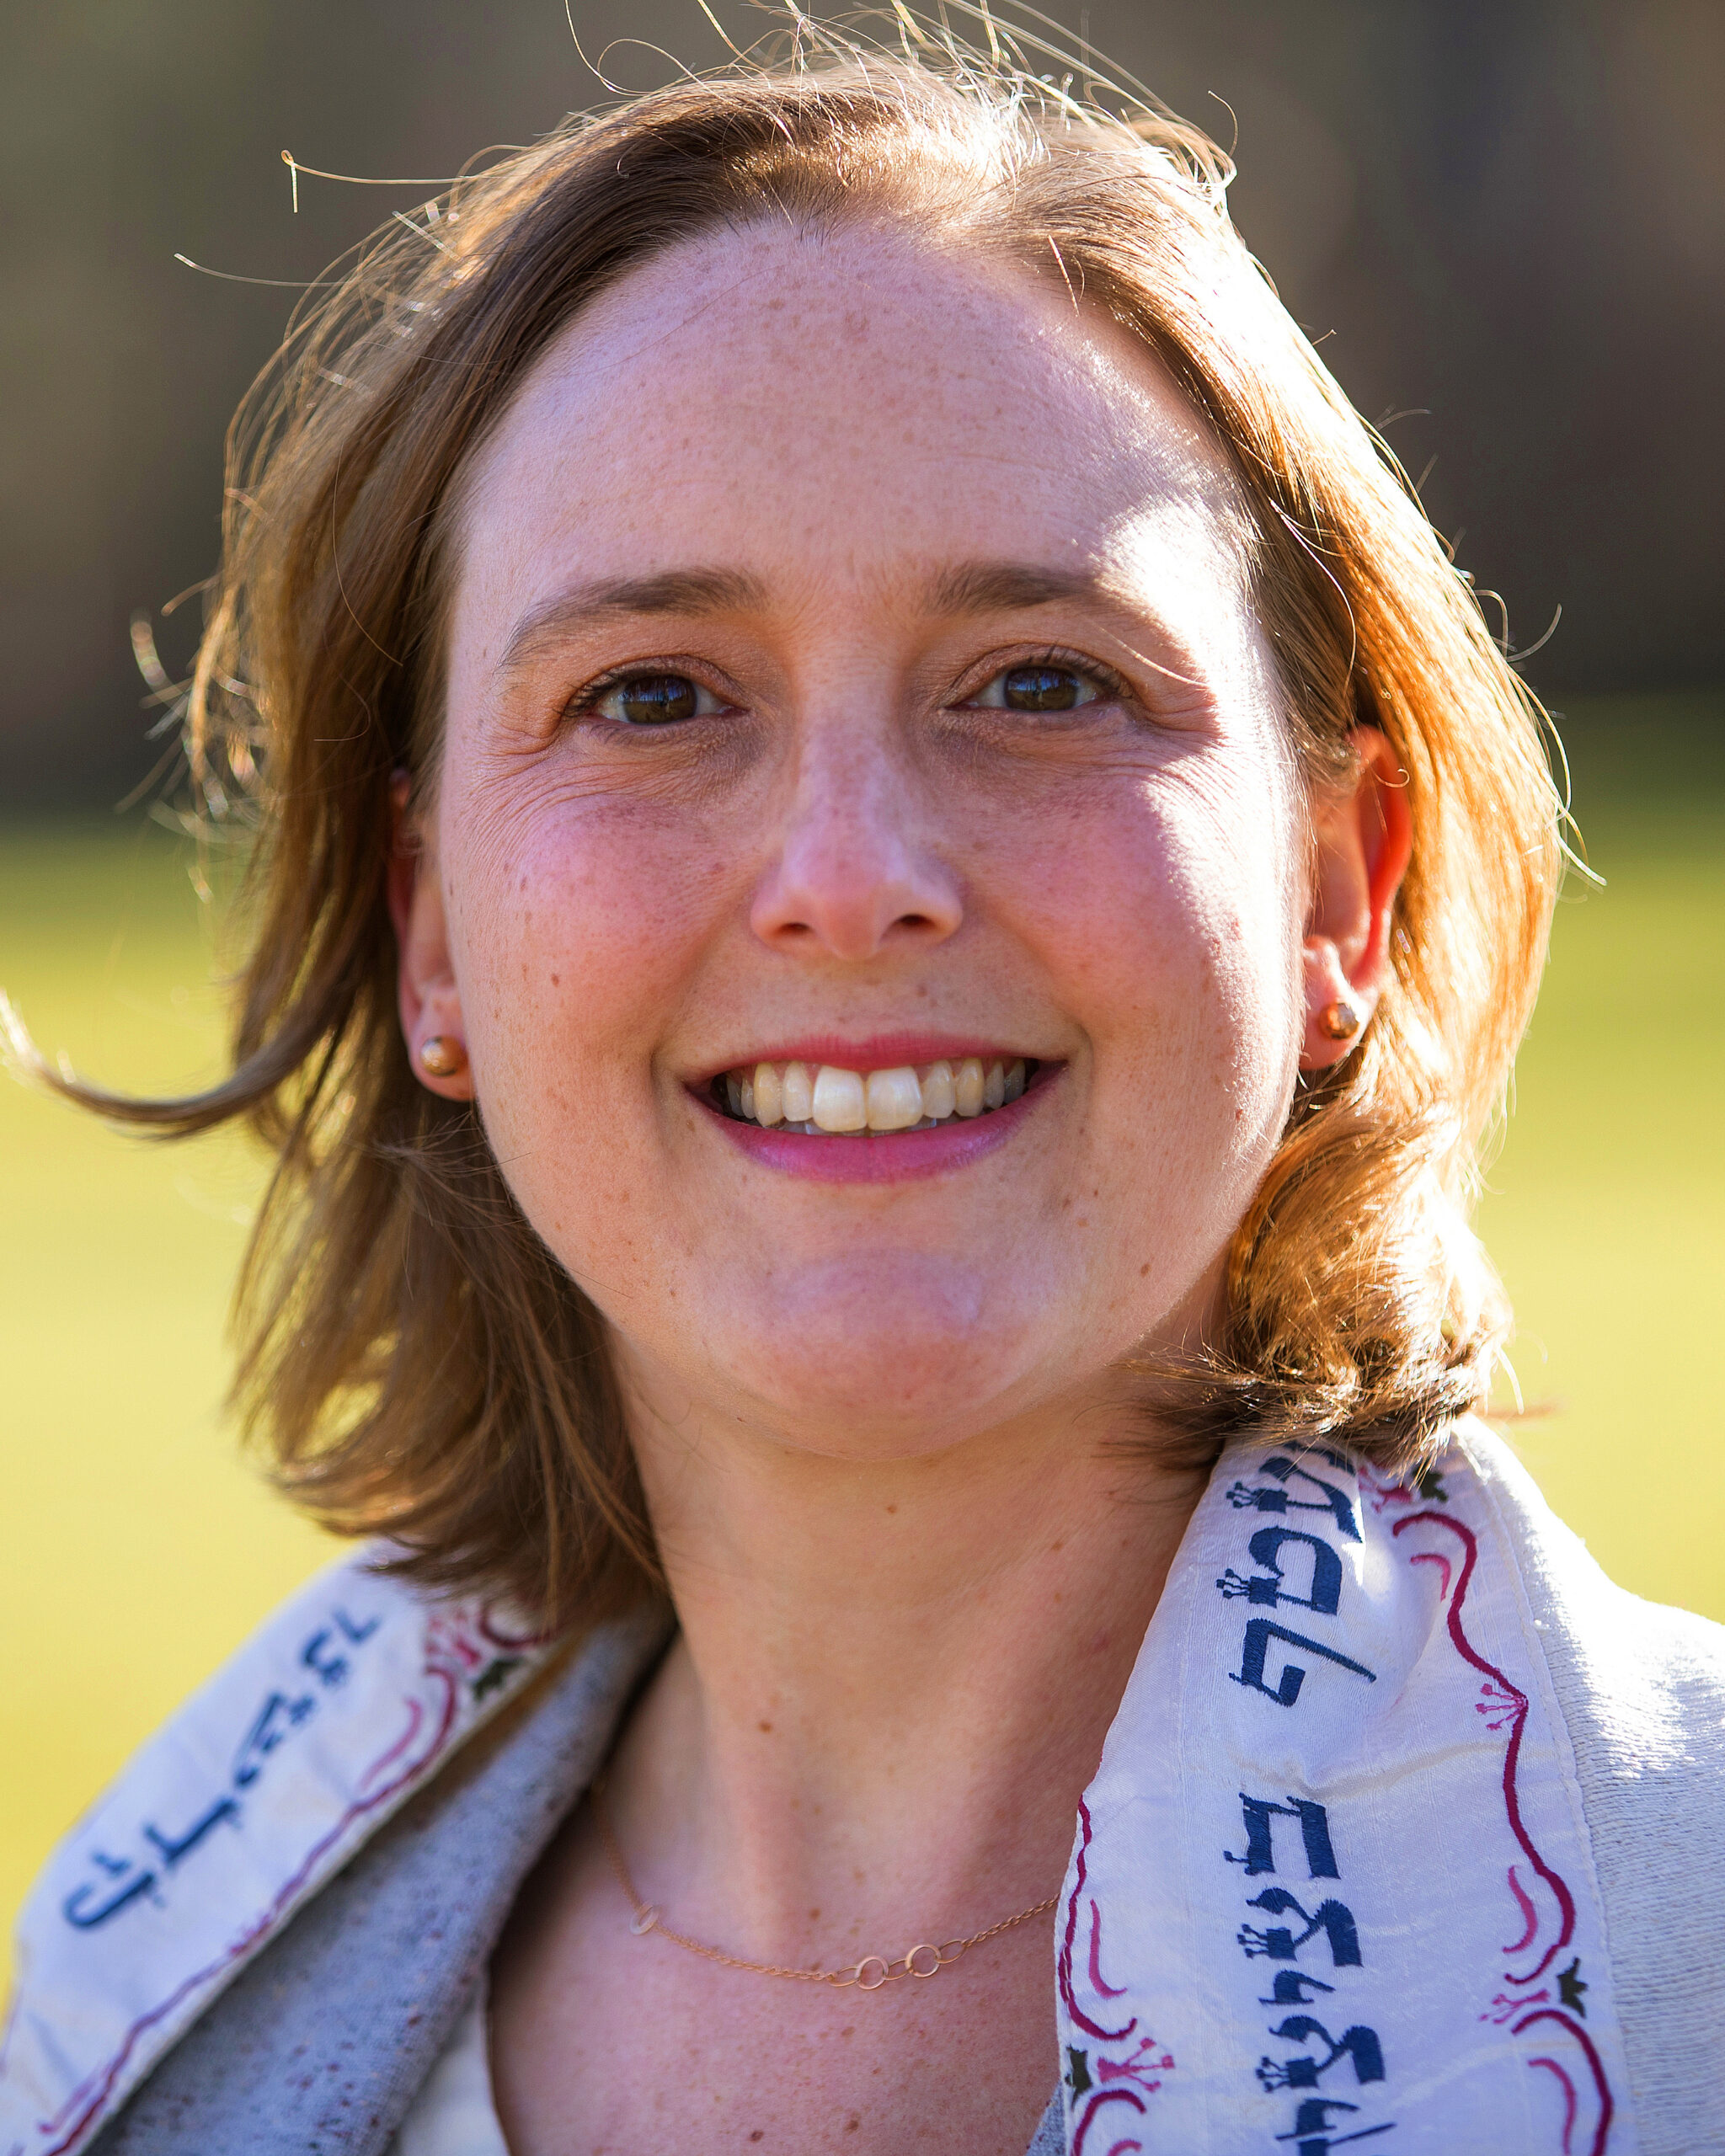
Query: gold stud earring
(441,1056)
(1339,1021)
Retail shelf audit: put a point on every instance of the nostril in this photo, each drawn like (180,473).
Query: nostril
(853,913)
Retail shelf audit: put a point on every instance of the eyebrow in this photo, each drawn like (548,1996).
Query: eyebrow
(967,588)
(677,591)
(1006,587)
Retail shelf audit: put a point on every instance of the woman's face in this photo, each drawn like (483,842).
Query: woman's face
(851,666)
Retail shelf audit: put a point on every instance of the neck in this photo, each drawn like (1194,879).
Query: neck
(893,1677)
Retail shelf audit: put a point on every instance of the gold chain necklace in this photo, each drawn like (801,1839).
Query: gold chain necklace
(869,1974)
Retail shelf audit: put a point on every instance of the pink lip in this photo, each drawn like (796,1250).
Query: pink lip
(878,1051)
(902,1157)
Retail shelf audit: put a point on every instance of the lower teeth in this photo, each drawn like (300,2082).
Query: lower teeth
(814,1130)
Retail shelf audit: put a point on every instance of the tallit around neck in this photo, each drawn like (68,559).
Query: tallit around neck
(1332,1885)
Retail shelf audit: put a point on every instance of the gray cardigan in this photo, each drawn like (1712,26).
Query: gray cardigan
(322,2042)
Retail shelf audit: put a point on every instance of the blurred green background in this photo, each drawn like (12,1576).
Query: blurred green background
(135,1548)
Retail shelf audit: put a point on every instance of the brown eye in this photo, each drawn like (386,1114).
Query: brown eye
(1040,686)
(654,700)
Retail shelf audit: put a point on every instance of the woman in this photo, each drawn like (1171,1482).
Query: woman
(895,881)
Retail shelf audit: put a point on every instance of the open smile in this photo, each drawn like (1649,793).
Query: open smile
(829,1100)
(866,1120)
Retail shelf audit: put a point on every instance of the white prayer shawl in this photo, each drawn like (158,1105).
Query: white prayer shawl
(1332,1880)
(1331,1884)
(257,1792)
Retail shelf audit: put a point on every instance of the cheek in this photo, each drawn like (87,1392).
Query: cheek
(1171,911)
(575,927)
(1238,890)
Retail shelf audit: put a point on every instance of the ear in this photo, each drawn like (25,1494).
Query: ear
(425,990)
(1365,835)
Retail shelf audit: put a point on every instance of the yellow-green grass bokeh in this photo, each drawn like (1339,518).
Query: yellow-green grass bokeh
(136,1548)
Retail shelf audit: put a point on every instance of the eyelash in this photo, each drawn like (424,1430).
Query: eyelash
(584,701)
(1110,686)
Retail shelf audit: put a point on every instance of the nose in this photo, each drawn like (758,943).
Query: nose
(856,871)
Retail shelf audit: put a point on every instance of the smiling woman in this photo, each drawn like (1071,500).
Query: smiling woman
(893,881)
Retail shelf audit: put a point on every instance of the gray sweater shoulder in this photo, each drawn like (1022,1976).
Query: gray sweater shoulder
(1650,1758)
(322,2042)
(1642,1689)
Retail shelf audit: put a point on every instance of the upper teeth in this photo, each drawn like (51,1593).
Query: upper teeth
(825,1096)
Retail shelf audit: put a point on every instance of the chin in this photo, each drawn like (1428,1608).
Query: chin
(877,1359)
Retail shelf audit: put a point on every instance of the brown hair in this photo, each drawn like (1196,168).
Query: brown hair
(422,1364)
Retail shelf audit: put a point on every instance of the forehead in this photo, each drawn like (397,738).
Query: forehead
(805,405)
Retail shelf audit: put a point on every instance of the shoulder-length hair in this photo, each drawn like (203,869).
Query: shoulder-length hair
(420,1362)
